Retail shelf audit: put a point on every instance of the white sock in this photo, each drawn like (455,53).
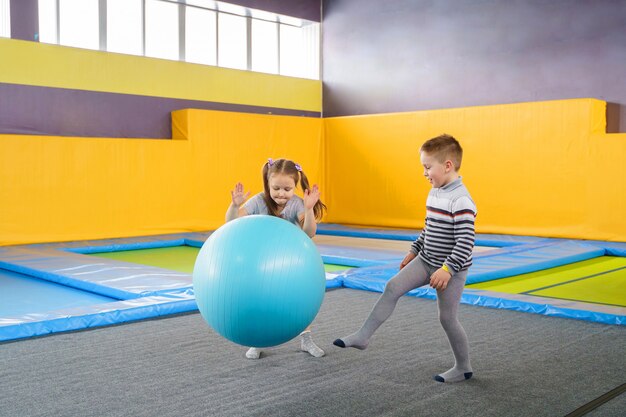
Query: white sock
(453,375)
(253,353)
(308,345)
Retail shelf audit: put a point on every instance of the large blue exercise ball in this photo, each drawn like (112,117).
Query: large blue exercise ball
(259,281)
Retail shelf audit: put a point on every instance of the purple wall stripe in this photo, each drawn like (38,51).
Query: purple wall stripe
(24,19)
(51,111)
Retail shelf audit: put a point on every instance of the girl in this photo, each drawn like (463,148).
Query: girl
(280,179)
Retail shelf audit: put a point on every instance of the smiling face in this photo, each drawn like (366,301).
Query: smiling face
(282,187)
(436,172)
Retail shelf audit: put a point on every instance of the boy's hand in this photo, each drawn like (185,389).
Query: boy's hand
(238,195)
(311,197)
(408,258)
(439,279)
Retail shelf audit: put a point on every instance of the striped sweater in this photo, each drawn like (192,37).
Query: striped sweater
(448,234)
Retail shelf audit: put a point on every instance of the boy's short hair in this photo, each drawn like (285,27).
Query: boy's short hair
(444,147)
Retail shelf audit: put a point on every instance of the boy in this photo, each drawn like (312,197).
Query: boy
(440,256)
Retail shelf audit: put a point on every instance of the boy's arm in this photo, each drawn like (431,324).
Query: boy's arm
(417,246)
(464,216)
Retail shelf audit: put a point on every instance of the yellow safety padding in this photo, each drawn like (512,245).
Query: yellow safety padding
(541,168)
(62,188)
(39,64)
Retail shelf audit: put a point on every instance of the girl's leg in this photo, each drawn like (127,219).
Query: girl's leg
(308,345)
(448,303)
(413,275)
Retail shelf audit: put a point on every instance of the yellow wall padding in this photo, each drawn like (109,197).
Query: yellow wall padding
(542,168)
(60,188)
(39,64)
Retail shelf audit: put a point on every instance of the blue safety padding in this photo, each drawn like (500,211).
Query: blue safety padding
(86,250)
(371,232)
(502,241)
(611,248)
(529,258)
(375,279)
(334,282)
(111,278)
(499,263)
(94,315)
(493,240)
(475,297)
(150,291)
(343,255)
(145,291)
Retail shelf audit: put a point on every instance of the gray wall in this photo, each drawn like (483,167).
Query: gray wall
(404,55)
(303,9)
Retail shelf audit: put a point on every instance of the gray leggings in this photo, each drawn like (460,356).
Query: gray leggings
(414,275)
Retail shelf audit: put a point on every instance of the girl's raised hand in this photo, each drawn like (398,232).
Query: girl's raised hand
(311,197)
(238,195)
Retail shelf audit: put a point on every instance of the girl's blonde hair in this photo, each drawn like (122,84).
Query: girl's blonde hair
(290,168)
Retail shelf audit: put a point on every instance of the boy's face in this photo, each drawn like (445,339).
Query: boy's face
(282,188)
(436,172)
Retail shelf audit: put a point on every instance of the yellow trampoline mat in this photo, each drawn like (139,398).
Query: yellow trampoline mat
(600,280)
(176,258)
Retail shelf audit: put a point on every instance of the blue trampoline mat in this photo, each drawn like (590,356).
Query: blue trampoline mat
(109,291)
(22,294)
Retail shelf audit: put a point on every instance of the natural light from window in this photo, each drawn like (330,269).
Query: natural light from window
(79,23)
(47,21)
(231,47)
(5,19)
(264,46)
(161,29)
(198,31)
(124,26)
(200,36)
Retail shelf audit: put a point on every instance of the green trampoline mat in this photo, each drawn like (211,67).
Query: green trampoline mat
(175,258)
(600,280)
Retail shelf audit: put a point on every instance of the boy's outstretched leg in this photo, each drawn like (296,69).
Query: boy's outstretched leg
(411,276)
(448,303)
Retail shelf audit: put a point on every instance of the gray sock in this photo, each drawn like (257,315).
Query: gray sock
(411,276)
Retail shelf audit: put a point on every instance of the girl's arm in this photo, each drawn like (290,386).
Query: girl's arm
(235,209)
(308,221)
(309,225)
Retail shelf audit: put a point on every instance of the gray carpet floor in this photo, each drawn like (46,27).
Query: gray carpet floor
(525,365)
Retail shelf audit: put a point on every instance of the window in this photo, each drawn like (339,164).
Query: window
(232,41)
(264,45)
(297,46)
(48,21)
(125,26)
(5,19)
(161,29)
(200,31)
(79,23)
(200,36)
